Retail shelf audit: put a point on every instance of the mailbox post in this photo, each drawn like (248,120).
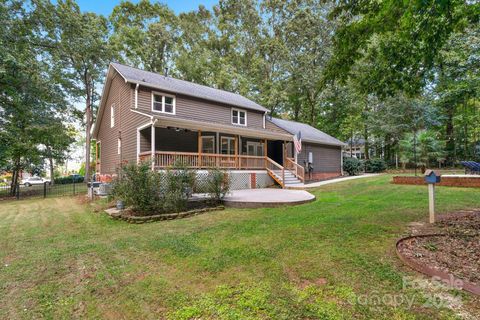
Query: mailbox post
(431,178)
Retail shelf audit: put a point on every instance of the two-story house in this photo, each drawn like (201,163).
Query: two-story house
(145,116)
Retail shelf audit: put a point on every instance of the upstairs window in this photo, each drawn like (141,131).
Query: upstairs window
(163,103)
(239,117)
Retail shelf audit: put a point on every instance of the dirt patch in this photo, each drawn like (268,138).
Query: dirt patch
(455,249)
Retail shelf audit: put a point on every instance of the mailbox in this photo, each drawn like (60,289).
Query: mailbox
(432,176)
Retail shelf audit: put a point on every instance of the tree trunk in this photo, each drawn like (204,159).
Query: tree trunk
(88,120)
(15,174)
(50,160)
(450,145)
(367,144)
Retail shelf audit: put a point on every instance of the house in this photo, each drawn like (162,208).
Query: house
(355,148)
(145,116)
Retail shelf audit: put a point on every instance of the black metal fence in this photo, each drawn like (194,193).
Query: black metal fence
(44,190)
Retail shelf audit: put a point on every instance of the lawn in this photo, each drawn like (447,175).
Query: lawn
(60,259)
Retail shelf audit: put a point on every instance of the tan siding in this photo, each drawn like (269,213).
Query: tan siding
(325,158)
(108,136)
(273,127)
(198,109)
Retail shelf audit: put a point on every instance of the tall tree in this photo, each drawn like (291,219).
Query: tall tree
(79,52)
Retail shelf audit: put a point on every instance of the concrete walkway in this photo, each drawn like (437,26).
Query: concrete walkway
(262,198)
(322,183)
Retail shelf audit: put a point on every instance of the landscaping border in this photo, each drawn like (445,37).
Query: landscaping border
(122,215)
(447,181)
(431,272)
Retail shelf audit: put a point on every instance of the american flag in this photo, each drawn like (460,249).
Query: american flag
(297,141)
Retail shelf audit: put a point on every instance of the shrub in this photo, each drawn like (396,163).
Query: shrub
(217,184)
(140,188)
(352,166)
(375,165)
(69,179)
(179,183)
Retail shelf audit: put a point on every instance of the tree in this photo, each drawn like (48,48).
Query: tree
(77,43)
(144,34)
(398,41)
(29,96)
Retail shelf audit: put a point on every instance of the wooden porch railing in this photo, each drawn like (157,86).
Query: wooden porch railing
(276,171)
(295,168)
(164,159)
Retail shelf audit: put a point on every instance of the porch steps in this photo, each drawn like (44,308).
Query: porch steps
(290,180)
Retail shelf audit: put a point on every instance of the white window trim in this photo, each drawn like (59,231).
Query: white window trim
(138,139)
(238,110)
(163,102)
(209,137)
(230,139)
(255,145)
(119,146)
(112,115)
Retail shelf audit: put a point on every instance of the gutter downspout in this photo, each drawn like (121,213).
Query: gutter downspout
(136,96)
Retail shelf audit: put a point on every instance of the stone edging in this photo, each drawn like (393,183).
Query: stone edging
(431,272)
(159,217)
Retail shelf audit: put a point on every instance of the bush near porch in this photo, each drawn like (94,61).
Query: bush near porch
(149,192)
(60,259)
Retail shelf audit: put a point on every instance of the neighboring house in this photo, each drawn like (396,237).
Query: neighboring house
(355,148)
(144,116)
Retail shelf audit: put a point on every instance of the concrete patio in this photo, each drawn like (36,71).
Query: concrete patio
(264,198)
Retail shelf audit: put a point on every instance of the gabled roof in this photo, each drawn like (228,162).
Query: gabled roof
(308,133)
(161,82)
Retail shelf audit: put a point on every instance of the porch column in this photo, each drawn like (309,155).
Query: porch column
(236,151)
(217,146)
(153,146)
(265,151)
(199,148)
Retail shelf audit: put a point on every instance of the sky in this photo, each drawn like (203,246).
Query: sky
(105,7)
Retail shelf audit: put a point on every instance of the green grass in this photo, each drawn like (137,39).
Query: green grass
(59,259)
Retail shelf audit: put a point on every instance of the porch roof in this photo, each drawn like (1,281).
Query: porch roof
(309,133)
(165,121)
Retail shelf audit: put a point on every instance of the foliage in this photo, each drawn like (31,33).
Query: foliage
(69,179)
(217,184)
(352,166)
(141,188)
(375,165)
(179,183)
(81,171)
(423,147)
(30,99)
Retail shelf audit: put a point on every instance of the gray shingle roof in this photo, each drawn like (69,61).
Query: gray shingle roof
(309,133)
(170,84)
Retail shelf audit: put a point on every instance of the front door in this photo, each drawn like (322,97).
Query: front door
(255,148)
(227,145)
(208,144)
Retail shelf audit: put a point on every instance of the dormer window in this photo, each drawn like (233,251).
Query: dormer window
(239,117)
(163,103)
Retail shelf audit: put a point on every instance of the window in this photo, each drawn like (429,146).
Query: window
(119,146)
(112,116)
(227,145)
(239,117)
(254,148)
(163,103)
(208,144)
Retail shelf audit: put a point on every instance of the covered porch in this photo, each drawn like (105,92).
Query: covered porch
(163,146)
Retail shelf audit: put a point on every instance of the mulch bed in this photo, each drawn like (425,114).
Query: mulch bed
(453,247)
(131,217)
